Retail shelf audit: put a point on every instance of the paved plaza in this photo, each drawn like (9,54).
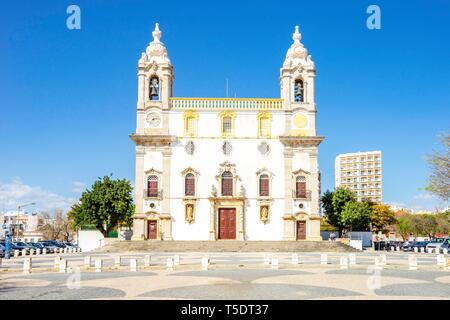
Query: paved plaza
(229,276)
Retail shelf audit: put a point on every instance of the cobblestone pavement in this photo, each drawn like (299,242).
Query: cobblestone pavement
(230,276)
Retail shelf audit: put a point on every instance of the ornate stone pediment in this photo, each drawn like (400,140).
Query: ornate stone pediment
(301,216)
(189,170)
(226,166)
(300,171)
(264,170)
(153,171)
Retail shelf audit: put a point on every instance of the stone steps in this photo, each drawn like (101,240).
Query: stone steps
(225,246)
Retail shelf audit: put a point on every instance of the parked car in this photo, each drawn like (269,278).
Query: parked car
(50,247)
(2,251)
(12,247)
(56,243)
(435,243)
(393,244)
(17,245)
(71,245)
(410,245)
(37,246)
(445,245)
(420,244)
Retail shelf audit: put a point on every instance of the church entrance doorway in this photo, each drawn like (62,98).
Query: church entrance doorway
(301,230)
(227,223)
(152,229)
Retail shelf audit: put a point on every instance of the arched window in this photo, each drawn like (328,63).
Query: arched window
(154,88)
(299,91)
(300,187)
(264,185)
(227,183)
(152,186)
(189,185)
(227,125)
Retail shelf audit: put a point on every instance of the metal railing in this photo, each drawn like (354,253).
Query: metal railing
(158,195)
(301,196)
(227,103)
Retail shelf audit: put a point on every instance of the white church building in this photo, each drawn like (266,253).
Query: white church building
(226,168)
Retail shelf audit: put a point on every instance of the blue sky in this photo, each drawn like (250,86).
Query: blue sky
(68,98)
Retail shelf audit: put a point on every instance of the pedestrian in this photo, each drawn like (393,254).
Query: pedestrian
(332,236)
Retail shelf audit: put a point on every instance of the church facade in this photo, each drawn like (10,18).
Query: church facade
(226,168)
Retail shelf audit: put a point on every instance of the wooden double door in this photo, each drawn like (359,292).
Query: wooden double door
(227,223)
(301,230)
(152,232)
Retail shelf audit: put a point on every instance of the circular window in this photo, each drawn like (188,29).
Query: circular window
(301,205)
(226,148)
(264,148)
(190,148)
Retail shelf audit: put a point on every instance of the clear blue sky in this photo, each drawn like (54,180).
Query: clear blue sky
(68,98)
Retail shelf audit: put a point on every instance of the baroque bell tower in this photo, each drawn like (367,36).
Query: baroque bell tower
(153,143)
(300,141)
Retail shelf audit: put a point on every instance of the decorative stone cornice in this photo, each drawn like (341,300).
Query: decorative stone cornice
(303,141)
(152,140)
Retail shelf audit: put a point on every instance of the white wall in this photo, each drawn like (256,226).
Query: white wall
(206,161)
(89,240)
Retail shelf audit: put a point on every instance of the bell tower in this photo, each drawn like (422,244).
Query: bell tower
(155,86)
(300,140)
(152,218)
(297,76)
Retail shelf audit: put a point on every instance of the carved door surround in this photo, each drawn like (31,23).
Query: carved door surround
(217,203)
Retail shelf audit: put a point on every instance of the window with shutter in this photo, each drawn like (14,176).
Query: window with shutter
(189,185)
(264,185)
(227,184)
(152,186)
(227,125)
(300,187)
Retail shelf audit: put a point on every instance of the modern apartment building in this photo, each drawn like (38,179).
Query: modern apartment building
(360,172)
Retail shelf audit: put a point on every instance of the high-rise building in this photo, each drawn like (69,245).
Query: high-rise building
(360,172)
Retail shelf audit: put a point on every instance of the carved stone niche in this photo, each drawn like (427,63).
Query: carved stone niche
(264,213)
(189,210)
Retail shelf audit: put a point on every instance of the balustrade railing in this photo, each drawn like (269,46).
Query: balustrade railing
(227,103)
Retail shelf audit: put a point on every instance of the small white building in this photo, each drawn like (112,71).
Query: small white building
(226,168)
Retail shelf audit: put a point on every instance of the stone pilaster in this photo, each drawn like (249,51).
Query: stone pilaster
(138,222)
(167,156)
(212,234)
(288,225)
(314,182)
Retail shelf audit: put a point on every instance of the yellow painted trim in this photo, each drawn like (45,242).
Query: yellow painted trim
(264,115)
(190,114)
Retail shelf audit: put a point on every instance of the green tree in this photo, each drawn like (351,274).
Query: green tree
(439,179)
(443,222)
(108,204)
(382,216)
(404,225)
(327,205)
(333,204)
(356,216)
(424,224)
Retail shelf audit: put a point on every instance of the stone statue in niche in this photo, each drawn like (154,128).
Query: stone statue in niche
(189,213)
(264,214)
(154,89)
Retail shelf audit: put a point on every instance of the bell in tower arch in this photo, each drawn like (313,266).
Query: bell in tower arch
(154,88)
